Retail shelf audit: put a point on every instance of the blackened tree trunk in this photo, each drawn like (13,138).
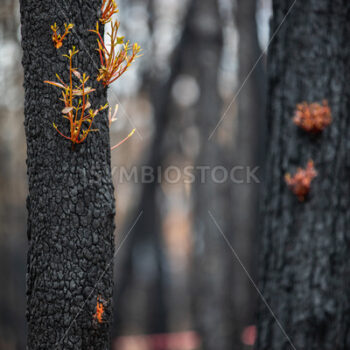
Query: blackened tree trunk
(305,245)
(70,203)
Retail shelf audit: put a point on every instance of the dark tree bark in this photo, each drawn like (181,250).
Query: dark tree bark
(305,245)
(70,203)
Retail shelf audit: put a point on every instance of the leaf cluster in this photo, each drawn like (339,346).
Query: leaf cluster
(76,96)
(114,62)
(58,38)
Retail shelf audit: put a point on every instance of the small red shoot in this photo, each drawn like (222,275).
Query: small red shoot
(57,38)
(300,183)
(122,141)
(98,316)
(108,9)
(113,118)
(114,63)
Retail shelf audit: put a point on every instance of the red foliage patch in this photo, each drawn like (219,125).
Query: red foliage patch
(300,182)
(98,316)
(313,117)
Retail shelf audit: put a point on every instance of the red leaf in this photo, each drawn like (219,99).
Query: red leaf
(55,84)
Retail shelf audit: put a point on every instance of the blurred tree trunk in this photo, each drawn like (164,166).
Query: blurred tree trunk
(147,273)
(248,151)
(143,262)
(13,187)
(70,203)
(211,300)
(140,272)
(305,245)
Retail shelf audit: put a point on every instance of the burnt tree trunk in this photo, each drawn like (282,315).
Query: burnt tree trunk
(70,203)
(305,245)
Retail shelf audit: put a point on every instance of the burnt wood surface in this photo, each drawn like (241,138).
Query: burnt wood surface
(71,202)
(305,245)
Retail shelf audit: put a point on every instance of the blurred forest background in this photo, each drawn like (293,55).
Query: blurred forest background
(174,272)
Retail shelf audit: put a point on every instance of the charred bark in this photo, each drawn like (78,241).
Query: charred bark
(71,201)
(305,245)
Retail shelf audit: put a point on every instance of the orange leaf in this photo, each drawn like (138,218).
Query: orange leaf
(55,84)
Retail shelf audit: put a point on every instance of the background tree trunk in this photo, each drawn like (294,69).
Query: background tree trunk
(70,203)
(147,238)
(305,246)
(13,185)
(211,301)
(248,153)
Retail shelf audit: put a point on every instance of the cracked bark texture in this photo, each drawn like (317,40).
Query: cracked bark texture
(70,203)
(305,246)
